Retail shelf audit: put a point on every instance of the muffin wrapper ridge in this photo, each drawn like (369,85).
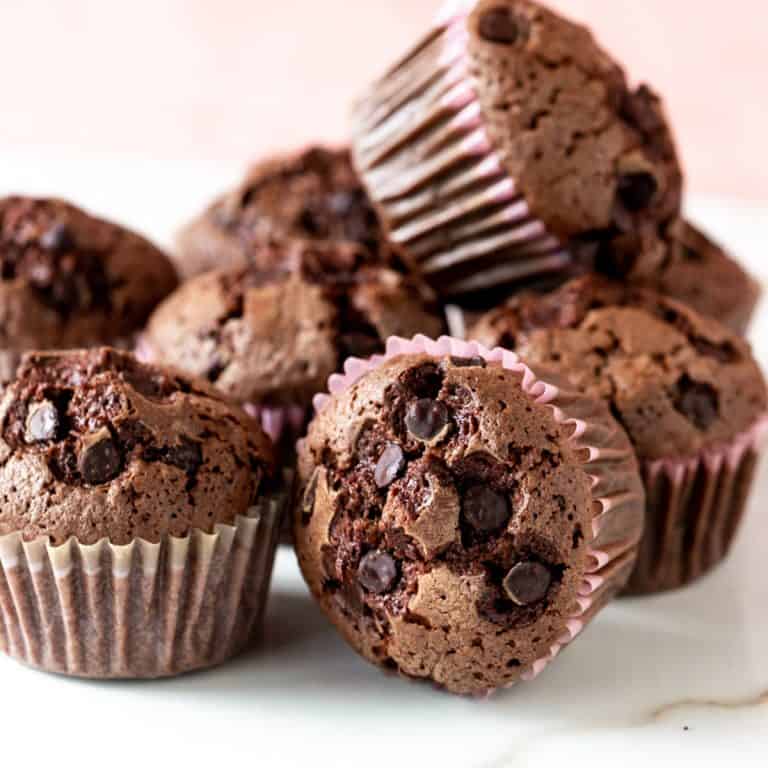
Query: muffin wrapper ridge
(617,491)
(694,508)
(427,162)
(141,610)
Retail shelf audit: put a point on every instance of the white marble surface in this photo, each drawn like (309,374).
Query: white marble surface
(664,681)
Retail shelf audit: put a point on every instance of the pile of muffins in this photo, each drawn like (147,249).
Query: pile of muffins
(461,505)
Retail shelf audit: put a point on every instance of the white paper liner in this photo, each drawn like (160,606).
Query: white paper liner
(427,162)
(694,510)
(142,610)
(618,498)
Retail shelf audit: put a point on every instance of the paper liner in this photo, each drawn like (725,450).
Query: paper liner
(694,508)
(618,498)
(142,610)
(427,162)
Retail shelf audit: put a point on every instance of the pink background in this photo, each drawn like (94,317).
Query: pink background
(222,80)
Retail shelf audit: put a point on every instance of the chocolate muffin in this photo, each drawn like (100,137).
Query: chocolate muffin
(701,274)
(504,137)
(269,334)
(72,280)
(138,522)
(686,389)
(461,519)
(314,194)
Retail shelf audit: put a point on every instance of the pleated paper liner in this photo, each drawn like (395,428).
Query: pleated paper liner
(421,148)
(694,508)
(142,610)
(608,460)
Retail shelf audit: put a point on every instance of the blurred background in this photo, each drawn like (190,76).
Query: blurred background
(214,83)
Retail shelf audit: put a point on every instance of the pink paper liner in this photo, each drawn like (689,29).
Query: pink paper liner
(611,558)
(694,509)
(424,155)
(142,610)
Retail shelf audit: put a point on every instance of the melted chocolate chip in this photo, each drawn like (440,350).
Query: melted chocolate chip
(426,418)
(697,401)
(100,458)
(636,190)
(42,422)
(187,456)
(57,238)
(484,509)
(498,25)
(468,362)
(390,464)
(377,572)
(527,583)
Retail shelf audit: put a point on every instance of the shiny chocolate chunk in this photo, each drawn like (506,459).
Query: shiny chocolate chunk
(100,459)
(697,401)
(426,418)
(42,422)
(390,464)
(636,190)
(498,25)
(484,509)
(377,572)
(57,238)
(527,583)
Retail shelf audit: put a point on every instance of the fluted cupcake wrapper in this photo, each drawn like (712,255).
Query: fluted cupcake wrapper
(420,145)
(609,461)
(142,610)
(694,508)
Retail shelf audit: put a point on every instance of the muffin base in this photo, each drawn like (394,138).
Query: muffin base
(694,508)
(142,610)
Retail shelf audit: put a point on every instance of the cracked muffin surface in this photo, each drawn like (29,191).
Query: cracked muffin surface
(445,519)
(591,155)
(97,445)
(313,195)
(273,331)
(677,381)
(69,279)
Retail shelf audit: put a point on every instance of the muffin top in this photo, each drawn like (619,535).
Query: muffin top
(678,382)
(70,279)
(447,515)
(591,156)
(314,194)
(273,331)
(97,445)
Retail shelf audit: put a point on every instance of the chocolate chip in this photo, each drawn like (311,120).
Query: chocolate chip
(484,509)
(99,458)
(697,401)
(468,362)
(42,422)
(527,583)
(57,238)
(390,464)
(377,572)
(636,190)
(723,353)
(426,418)
(187,456)
(498,25)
